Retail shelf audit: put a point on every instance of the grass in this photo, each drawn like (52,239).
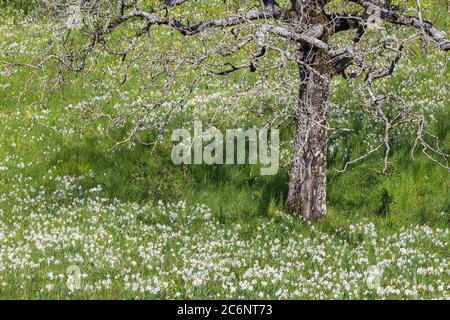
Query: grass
(68,197)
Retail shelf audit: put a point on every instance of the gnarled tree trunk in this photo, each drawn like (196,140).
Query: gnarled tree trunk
(307,185)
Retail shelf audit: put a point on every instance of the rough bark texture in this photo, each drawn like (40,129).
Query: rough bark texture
(299,33)
(307,185)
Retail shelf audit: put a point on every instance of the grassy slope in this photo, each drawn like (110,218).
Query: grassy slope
(49,219)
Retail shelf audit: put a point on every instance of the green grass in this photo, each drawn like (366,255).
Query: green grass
(248,247)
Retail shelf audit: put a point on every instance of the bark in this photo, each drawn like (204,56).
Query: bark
(307,185)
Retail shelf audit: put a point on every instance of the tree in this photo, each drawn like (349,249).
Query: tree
(301,32)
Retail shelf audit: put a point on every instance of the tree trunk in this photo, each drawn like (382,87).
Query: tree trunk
(307,185)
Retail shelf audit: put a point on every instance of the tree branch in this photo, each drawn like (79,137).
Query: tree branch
(388,14)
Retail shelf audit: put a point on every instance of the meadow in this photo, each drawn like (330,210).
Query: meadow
(136,226)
